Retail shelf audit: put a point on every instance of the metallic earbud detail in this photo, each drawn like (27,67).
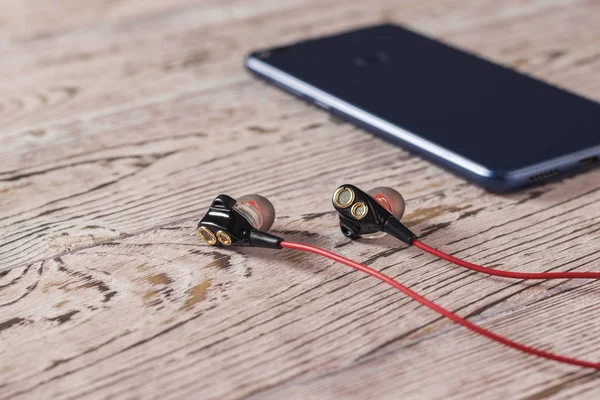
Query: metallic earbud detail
(359,210)
(207,235)
(364,213)
(343,197)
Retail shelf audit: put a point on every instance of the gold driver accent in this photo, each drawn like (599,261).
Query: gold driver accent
(359,210)
(207,235)
(343,197)
(223,238)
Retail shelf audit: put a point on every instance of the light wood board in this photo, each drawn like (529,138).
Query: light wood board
(121,120)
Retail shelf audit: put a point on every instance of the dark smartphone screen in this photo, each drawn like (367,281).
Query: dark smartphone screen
(484,112)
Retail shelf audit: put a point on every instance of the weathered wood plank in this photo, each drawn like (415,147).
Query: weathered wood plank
(120,121)
(139,123)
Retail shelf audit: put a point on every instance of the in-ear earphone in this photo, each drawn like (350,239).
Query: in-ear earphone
(241,222)
(368,213)
(244,222)
(380,210)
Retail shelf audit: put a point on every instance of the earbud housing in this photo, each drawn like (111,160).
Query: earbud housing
(361,214)
(231,223)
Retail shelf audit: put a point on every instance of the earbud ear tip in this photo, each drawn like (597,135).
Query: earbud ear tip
(390,199)
(258,210)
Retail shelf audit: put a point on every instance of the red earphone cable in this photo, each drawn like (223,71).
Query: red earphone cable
(506,274)
(439,309)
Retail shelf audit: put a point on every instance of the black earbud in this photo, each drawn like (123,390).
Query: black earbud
(364,213)
(242,222)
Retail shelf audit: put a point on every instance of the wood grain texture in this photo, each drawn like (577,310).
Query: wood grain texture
(121,120)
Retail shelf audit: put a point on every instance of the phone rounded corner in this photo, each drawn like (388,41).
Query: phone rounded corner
(249,59)
(499,181)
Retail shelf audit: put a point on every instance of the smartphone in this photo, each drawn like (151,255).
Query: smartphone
(485,122)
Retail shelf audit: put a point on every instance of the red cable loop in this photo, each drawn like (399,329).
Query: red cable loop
(506,274)
(439,309)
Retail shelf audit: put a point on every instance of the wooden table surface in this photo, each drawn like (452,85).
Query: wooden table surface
(121,120)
